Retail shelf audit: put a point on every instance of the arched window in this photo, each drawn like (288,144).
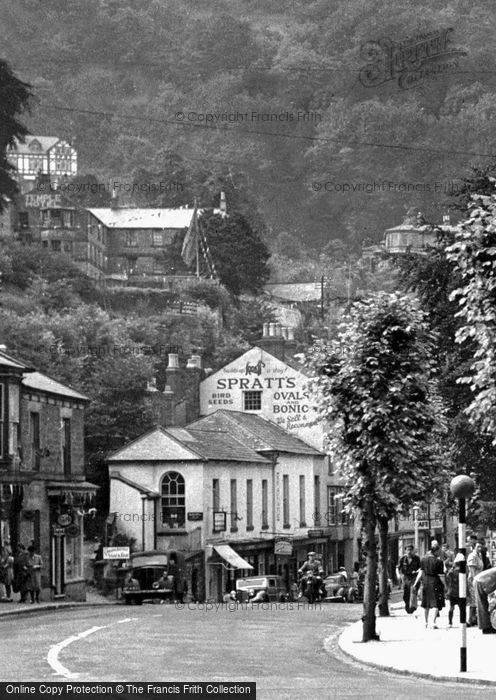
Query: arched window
(173,500)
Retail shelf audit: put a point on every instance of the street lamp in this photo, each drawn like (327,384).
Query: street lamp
(462,487)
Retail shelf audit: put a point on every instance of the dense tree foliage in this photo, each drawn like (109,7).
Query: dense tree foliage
(376,387)
(238,252)
(15,96)
(114,75)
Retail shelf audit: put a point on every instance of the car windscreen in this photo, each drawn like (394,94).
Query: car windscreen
(147,576)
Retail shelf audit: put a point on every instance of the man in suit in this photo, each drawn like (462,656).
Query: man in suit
(484,584)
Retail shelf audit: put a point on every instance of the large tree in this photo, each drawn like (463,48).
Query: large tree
(239,254)
(15,96)
(474,254)
(375,386)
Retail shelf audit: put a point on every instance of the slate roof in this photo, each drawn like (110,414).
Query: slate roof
(46,142)
(217,444)
(181,444)
(145,218)
(260,434)
(294,291)
(40,382)
(8,361)
(155,445)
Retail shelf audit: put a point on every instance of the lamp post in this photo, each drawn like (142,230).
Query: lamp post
(462,487)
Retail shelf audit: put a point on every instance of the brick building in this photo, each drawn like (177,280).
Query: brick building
(44,497)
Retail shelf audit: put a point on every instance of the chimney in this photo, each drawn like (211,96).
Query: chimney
(192,378)
(272,340)
(170,413)
(114,202)
(222,206)
(173,375)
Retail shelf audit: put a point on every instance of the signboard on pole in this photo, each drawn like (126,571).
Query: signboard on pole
(116,553)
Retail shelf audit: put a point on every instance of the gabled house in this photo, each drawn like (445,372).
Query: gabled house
(42,154)
(44,496)
(165,491)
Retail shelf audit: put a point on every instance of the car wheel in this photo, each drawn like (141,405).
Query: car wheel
(127,601)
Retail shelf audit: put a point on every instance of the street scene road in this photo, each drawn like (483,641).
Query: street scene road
(282,649)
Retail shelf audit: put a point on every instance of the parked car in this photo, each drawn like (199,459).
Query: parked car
(261,589)
(339,588)
(152,571)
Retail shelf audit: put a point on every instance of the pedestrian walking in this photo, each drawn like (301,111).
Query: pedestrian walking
(475,565)
(452,587)
(7,571)
(408,568)
(33,583)
(431,570)
(447,557)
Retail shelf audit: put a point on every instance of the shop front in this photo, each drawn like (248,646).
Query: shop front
(69,503)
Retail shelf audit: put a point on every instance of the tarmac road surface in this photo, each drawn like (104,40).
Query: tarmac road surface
(280,646)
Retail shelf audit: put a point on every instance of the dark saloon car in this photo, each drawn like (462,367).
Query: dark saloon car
(152,576)
(338,588)
(261,589)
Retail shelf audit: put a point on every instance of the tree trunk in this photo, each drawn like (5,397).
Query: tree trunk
(369,523)
(383,567)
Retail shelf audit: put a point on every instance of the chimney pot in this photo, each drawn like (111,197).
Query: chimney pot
(223,207)
(173,361)
(194,362)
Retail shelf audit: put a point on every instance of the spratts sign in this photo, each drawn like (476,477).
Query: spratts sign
(259,383)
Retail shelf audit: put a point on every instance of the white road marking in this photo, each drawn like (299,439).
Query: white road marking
(54,651)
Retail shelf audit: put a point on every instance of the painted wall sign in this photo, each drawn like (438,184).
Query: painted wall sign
(43,201)
(284,396)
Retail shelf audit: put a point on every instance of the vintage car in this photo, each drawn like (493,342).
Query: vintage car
(339,588)
(153,576)
(261,589)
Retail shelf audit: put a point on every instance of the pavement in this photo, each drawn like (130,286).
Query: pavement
(93,597)
(407,647)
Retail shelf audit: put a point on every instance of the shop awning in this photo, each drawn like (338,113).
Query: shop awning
(54,488)
(232,557)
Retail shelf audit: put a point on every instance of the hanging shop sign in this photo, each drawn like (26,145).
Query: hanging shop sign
(73,530)
(116,553)
(283,548)
(64,519)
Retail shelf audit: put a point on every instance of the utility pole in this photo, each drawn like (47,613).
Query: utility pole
(195,214)
(322,297)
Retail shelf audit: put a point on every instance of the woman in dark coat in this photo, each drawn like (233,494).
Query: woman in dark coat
(431,570)
(21,572)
